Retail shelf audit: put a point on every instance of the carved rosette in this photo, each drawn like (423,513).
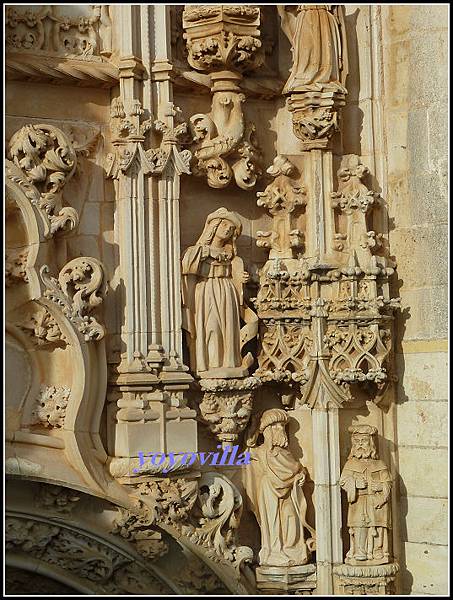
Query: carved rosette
(51,406)
(227,405)
(76,291)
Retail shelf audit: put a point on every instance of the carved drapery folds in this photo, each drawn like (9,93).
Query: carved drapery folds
(367,483)
(213,307)
(287,540)
(315,88)
(224,40)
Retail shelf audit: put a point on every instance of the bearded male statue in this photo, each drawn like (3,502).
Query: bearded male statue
(273,482)
(367,483)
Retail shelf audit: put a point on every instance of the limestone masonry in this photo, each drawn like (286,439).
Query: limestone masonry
(226,299)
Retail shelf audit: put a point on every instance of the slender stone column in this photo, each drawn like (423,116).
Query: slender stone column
(148,409)
(329,549)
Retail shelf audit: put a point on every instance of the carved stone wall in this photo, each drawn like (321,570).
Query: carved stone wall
(225,227)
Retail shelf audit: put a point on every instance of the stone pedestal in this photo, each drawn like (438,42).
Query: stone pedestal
(299,580)
(365,580)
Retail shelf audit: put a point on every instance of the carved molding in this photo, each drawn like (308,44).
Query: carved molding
(61,70)
(345,337)
(366,580)
(90,561)
(44,31)
(56,499)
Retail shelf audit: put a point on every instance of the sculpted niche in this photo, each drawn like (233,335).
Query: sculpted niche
(213,278)
(274,482)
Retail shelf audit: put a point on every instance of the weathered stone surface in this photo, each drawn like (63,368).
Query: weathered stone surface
(426,571)
(423,423)
(428,313)
(426,520)
(432,463)
(422,255)
(112,114)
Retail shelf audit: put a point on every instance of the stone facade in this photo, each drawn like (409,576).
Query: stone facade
(226,226)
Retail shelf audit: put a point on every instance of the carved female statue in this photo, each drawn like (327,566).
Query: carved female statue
(213,278)
(318,45)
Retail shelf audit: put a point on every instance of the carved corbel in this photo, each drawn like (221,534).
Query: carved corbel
(224,40)
(223,36)
(42,162)
(227,405)
(204,512)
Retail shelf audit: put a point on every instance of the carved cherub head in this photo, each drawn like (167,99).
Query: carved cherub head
(362,438)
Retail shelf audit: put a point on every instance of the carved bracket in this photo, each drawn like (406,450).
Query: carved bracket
(225,41)
(227,405)
(223,36)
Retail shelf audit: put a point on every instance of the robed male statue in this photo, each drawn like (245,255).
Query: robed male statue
(274,484)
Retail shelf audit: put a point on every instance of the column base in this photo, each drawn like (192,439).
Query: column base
(366,580)
(299,580)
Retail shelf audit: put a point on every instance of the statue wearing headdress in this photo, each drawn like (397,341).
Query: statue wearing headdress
(367,483)
(212,289)
(317,36)
(273,483)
